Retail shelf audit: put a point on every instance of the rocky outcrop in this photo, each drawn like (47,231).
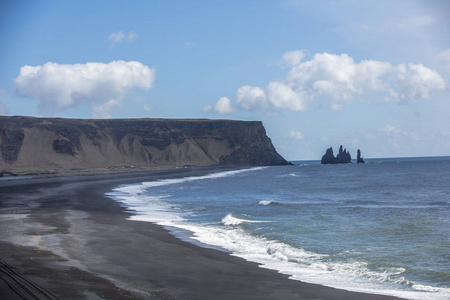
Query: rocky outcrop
(328,157)
(359,159)
(53,145)
(343,157)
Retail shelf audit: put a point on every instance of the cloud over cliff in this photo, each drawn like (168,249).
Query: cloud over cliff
(334,80)
(100,85)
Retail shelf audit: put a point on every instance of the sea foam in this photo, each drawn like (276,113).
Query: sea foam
(267,202)
(230,220)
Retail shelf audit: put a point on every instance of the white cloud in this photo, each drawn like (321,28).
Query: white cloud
(296,135)
(293,57)
(417,82)
(283,96)
(102,86)
(223,106)
(102,111)
(338,79)
(251,98)
(119,36)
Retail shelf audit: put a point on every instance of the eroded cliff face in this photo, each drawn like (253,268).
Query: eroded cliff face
(53,146)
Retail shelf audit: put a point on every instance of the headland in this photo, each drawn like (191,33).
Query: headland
(55,146)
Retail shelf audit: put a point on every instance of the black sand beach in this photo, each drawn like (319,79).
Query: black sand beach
(61,238)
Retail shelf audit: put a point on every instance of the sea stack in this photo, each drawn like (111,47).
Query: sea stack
(359,159)
(343,157)
(328,157)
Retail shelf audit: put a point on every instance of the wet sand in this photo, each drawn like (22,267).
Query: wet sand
(61,238)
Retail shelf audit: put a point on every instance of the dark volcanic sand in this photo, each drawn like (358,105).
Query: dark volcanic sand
(77,244)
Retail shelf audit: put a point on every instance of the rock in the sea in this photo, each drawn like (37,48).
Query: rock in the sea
(343,157)
(359,159)
(329,157)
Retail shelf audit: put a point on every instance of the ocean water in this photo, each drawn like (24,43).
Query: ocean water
(381,227)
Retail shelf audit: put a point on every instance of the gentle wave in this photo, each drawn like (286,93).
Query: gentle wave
(230,220)
(268,202)
(156,209)
(137,189)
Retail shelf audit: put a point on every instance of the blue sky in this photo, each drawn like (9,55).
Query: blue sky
(373,75)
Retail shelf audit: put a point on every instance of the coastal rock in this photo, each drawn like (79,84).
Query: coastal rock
(359,159)
(48,145)
(343,157)
(328,157)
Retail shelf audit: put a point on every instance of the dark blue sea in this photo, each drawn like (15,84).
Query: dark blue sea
(381,227)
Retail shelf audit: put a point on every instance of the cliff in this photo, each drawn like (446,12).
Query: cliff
(61,146)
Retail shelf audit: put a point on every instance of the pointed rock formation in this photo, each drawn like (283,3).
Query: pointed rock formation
(359,159)
(328,157)
(343,157)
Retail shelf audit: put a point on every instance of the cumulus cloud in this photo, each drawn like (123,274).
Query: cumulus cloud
(415,81)
(337,79)
(119,36)
(285,96)
(101,85)
(223,106)
(251,98)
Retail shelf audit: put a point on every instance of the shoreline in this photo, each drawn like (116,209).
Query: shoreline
(65,235)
